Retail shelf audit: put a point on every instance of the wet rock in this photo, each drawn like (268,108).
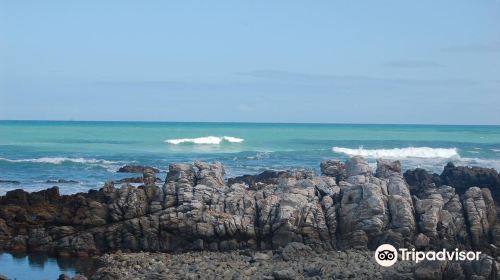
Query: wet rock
(61,181)
(420,180)
(265,178)
(136,169)
(463,177)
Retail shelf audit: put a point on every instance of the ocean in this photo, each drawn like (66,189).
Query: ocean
(33,152)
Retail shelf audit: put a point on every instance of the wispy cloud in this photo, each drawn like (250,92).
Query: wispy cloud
(413,64)
(475,48)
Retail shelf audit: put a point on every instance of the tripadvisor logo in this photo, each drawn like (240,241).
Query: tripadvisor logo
(386,255)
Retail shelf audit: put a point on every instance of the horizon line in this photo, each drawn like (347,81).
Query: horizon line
(240,122)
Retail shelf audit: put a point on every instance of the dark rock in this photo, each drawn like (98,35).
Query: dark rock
(419,180)
(135,180)
(130,180)
(136,169)
(267,177)
(464,177)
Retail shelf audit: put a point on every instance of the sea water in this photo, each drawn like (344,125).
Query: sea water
(33,152)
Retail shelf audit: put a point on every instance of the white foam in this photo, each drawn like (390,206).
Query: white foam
(59,160)
(213,140)
(410,152)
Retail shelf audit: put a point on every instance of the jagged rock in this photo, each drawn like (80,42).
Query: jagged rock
(357,166)
(333,168)
(481,215)
(374,209)
(149,176)
(420,180)
(196,209)
(386,169)
(265,178)
(440,215)
(464,177)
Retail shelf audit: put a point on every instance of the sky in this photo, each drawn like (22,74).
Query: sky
(419,62)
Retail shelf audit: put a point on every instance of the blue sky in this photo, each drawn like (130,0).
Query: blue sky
(257,61)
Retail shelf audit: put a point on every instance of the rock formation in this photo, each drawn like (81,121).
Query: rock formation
(347,207)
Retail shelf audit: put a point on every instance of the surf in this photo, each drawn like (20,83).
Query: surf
(398,153)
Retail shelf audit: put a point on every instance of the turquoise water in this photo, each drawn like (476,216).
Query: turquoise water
(33,152)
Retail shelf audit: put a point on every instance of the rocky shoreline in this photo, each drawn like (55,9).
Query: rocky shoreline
(203,226)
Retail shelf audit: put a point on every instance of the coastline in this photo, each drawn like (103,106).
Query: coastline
(348,207)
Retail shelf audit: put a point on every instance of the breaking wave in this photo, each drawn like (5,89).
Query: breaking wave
(111,166)
(59,160)
(410,152)
(214,140)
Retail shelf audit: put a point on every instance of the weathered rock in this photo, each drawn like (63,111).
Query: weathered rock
(440,218)
(196,209)
(357,166)
(334,168)
(373,209)
(481,215)
(385,169)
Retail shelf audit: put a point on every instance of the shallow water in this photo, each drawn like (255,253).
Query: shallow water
(33,152)
(38,266)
